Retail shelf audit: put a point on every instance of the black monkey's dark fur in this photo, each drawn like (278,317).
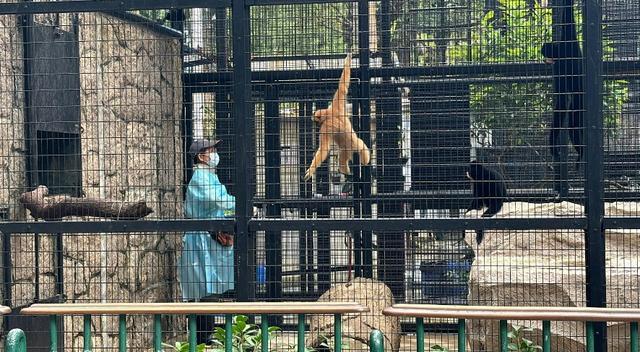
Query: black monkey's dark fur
(567,82)
(489,190)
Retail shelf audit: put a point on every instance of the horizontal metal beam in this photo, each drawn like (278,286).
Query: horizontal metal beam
(105,5)
(376,225)
(612,69)
(408,224)
(631,223)
(290,2)
(116,226)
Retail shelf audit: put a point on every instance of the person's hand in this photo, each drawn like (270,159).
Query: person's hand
(224,238)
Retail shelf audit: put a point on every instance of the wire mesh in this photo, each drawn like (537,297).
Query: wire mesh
(102,108)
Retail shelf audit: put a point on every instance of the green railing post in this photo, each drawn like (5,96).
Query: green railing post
(192,333)
(264,329)
(420,334)
(546,336)
(301,346)
(53,333)
(337,332)
(504,341)
(157,333)
(87,333)
(16,341)
(376,341)
(590,337)
(122,333)
(228,330)
(462,336)
(634,336)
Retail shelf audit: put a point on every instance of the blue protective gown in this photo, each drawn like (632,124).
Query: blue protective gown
(206,267)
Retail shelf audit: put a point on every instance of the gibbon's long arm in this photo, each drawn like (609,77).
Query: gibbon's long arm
(339,102)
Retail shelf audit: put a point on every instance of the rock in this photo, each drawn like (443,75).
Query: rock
(356,327)
(547,268)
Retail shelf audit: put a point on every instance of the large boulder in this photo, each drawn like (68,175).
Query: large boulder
(547,268)
(357,327)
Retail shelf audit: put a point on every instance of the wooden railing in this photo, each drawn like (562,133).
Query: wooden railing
(503,314)
(228,309)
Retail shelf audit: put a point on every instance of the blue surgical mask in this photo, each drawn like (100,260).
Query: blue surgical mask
(214,159)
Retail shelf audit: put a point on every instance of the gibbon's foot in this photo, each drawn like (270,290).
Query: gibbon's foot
(309,174)
(347,187)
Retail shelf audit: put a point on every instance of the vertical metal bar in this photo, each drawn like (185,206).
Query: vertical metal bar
(364,103)
(228,330)
(59,266)
(122,333)
(546,336)
(376,341)
(241,116)
(192,332)
(264,329)
(420,334)
(594,170)
(273,239)
(301,347)
(157,333)
(462,335)
(337,332)
(36,264)
(504,341)
(87,333)
(634,336)
(590,337)
(53,333)
(6,268)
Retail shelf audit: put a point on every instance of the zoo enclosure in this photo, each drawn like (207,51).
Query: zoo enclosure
(249,95)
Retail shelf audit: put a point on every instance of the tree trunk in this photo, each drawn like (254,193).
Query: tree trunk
(47,207)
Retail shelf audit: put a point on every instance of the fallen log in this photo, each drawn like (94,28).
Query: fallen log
(43,206)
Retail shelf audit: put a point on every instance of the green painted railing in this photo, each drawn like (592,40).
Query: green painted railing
(15,341)
(503,314)
(228,309)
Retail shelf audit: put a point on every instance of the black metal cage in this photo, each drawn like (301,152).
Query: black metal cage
(101,101)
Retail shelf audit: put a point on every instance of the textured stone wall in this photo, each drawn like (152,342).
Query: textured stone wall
(131,111)
(12,147)
(131,106)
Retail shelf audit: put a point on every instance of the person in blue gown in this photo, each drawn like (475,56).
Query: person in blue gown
(207,263)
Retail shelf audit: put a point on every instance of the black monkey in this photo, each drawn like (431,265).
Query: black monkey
(566,57)
(489,190)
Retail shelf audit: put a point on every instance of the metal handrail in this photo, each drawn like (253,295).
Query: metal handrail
(589,315)
(228,309)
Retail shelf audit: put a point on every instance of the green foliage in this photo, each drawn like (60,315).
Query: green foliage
(517,107)
(517,342)
(301,29)
(184,347)
(245,337)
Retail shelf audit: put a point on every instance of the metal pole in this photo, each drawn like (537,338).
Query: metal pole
(594,192)
(364,29)
(240,113)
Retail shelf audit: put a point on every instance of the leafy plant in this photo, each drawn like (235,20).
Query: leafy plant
(184,347)
(518,343)
(245,337)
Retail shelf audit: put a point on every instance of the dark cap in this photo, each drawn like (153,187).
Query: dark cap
(200,144)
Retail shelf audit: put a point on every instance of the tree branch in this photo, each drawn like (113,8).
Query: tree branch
(43,206)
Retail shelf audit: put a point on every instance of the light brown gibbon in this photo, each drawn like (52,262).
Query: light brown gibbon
(335,126)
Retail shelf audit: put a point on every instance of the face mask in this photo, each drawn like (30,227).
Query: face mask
(214,159)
